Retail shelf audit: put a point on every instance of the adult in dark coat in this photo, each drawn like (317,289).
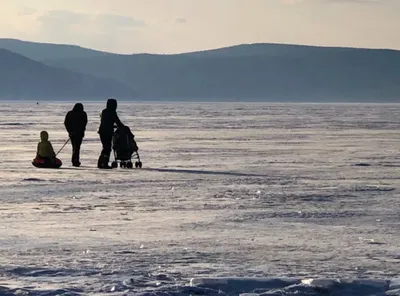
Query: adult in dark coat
(109,118)
(75,123)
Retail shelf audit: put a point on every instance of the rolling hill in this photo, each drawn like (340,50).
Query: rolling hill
(23,78)
(248,72)
(42,51)
(305,74)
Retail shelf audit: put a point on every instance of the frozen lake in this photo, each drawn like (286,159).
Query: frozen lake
(232,199)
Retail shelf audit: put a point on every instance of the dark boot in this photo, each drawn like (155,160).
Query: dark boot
(76,163)
(102,163)
(106,166)
(103,166)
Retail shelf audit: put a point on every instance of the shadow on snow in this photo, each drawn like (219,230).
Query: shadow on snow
(202,172)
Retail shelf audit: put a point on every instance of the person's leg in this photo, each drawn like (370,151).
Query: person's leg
(73,144)
(48,162)
(106,151)
(78,149)
(77,142)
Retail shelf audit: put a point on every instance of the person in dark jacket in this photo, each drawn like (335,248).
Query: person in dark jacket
(75,123)
(109,118)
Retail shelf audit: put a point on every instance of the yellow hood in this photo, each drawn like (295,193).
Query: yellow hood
(44,136)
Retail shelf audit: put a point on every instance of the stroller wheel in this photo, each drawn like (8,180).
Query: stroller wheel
(129,165)
(140,164)
(136,164)
(121,164)
(114,164)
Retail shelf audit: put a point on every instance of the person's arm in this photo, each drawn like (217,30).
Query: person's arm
(67,123)
(37,151)
(117,121)
(51,150)
(85,120)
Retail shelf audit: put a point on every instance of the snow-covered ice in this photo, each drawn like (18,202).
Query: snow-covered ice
(232,199)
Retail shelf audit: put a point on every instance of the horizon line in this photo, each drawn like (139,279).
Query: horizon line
(201,50)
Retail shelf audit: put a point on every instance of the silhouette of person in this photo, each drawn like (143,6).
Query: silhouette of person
(75,123)
(109,118)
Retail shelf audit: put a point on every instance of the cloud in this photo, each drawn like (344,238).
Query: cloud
(26,11)
(181,20)
(98,30)
(120,21)
(68,18)
(332,1)
(63,17)
(291,1)
(356,1)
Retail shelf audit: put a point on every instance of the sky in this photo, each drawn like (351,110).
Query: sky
(173,26)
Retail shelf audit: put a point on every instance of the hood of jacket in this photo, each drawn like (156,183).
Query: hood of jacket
(78,107)
(112,104)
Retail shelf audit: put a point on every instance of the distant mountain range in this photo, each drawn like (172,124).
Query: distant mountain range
(42,51)
(23,78)
(254,72)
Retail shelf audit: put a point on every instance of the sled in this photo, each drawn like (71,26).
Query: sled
(45,164)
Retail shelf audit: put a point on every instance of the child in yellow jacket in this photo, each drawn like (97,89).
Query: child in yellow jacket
(45,150)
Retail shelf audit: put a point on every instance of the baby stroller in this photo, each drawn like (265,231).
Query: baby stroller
(125,147)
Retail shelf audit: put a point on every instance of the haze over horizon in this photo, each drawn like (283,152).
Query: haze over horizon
(174,26)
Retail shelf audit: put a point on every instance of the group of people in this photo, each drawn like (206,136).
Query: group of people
(75,123)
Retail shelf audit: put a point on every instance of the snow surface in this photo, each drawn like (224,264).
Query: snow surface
(233,199)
